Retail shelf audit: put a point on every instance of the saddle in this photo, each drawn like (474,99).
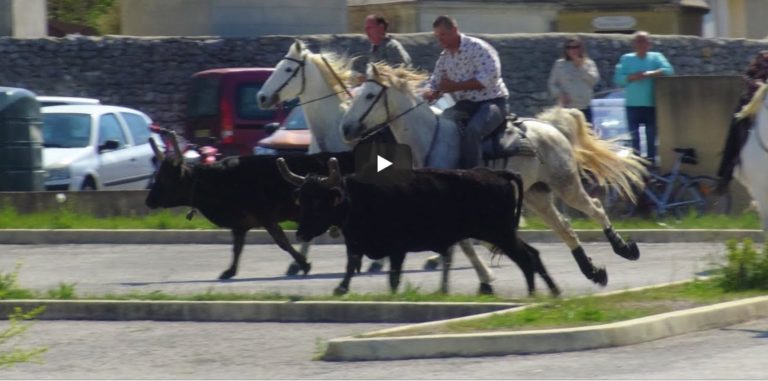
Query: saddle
(493,147)
(512,128)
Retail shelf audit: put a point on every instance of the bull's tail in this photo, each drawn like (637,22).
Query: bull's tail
(514,178)
(609,166)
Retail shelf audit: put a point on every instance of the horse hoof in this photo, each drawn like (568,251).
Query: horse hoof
(431,264)
(485,289)
(338,291)
(227,274)
(600,276)
(375,267)
(307,266)
(293,269)
(631,252)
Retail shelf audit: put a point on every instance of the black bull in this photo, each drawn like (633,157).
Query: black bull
(239,193)
(430,211)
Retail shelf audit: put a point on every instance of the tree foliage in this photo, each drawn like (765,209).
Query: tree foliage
(102,15)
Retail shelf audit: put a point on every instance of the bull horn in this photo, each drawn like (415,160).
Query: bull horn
(287,174)
(334,172)
(158,154)
(177,148)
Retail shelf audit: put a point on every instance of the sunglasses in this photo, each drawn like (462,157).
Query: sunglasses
(573,47)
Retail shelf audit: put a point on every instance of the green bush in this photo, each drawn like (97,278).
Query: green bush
(18,324)
(746,268)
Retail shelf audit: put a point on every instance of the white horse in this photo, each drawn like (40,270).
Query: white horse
(754,154)
(564,148)
(320,82)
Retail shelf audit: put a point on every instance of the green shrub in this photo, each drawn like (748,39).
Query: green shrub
(18,324)
(746,268)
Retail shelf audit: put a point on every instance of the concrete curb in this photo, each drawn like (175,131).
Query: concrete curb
(547,341)
(127,236)
(252,311)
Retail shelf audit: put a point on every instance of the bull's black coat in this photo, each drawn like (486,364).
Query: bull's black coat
(431,211)
(239,193)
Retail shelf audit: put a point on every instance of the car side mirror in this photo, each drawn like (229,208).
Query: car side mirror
(270,128)
(109,145)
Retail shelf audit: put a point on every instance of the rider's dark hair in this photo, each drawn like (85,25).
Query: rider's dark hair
(445,22)
(381,20)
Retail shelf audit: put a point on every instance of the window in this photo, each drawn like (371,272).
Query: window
(110,129)
(248,105)
(138,126)
(66,130)
(203,99)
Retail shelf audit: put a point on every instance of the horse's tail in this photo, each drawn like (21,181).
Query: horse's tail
(750,109)
(609,166)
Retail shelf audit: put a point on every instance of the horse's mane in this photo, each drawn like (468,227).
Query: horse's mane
(400,77)
(751,108)
(341,65)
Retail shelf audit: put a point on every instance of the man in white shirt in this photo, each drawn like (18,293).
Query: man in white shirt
(469,69)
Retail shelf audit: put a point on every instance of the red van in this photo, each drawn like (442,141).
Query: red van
(222,109)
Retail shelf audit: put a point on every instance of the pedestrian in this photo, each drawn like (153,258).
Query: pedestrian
(469,69)
(384,47)
(738,131)
(636,72)
(573,77)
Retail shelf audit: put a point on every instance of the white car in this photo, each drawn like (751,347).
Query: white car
(96,147)
(46,100)
(609,115)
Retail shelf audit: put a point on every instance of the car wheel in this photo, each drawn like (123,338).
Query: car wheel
(88,185)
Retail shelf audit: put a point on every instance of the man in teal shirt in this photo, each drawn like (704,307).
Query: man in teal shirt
(636,72)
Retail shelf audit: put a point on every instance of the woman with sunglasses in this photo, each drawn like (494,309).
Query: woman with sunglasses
(573,77)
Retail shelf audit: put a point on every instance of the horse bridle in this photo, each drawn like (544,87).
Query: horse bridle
(382,94)
(302,64)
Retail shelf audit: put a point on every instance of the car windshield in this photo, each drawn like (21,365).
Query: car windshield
(203,99)
(296,120)
(66,130)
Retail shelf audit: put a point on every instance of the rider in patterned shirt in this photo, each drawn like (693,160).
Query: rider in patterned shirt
(470,70)
(738,132)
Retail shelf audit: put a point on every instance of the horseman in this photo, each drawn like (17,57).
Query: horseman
(470,70)
(384,47)
(738,132)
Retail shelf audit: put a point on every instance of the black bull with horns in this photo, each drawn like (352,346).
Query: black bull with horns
(239,193)
(430,211)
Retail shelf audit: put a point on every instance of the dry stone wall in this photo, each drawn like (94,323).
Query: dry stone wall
(152,74)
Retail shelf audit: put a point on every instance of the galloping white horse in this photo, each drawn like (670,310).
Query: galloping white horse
(564,146)
(754,154)
(320,81)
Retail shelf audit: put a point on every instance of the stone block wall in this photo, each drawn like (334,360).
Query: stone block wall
(152,74)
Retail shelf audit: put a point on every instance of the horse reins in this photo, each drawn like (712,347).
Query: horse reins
(302,64)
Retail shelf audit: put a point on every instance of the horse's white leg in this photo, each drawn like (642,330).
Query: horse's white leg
(539,199)
(484,273)
(575,196)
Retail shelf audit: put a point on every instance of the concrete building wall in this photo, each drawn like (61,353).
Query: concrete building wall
(165,18)
(23,18)
(756,19)
(232,18)
(491,17)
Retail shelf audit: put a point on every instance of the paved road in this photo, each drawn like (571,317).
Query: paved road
(99,269)
(144,349)
(156,350)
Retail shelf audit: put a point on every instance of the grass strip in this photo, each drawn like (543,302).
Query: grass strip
(592,310)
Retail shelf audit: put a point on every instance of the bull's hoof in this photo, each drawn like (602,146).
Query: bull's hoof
(228,274)
(293,269)
(431,264)
(375,267)
(307,266)
(338,291)
(485,289)
(600,276)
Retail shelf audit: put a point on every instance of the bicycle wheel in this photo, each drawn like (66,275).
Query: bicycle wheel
(713,203)
(690,200)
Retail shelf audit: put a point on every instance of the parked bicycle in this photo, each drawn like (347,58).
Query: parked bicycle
(676,193)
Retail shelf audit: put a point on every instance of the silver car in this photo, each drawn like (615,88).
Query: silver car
(96,147)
